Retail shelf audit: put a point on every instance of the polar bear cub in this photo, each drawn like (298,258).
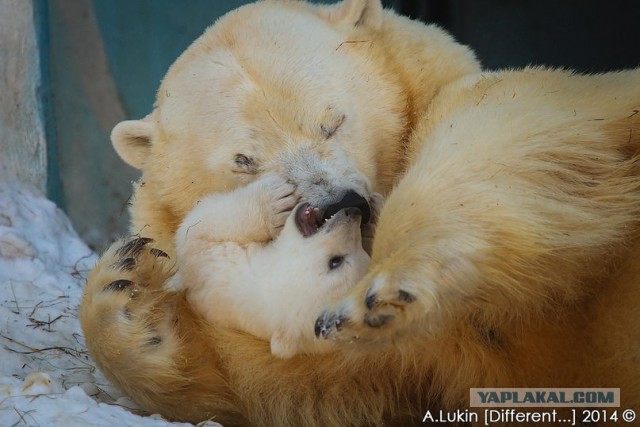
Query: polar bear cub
(276,289)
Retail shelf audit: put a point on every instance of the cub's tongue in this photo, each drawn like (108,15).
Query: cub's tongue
(308,219)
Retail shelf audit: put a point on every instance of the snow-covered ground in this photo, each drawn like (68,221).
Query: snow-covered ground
(46,375)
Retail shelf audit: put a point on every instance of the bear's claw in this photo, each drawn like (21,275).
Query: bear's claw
(119,285)
(126,264)
(133,247)
(159,253)
(328,323)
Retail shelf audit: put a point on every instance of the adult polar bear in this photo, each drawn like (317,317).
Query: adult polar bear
(506,254)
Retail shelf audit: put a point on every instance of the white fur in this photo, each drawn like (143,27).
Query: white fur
(506,254)
(274,290)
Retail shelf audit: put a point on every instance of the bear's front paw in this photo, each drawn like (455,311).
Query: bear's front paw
(276,198)
(125,309)
(131,265)
(412,299)
(380,309)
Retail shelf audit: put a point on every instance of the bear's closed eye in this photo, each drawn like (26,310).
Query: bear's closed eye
(245,164)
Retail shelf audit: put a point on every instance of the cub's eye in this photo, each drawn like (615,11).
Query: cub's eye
(245,164)
(335,262)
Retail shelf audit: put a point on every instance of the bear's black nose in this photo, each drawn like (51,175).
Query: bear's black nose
(351,199)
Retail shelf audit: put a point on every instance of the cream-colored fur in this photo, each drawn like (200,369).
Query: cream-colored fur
(506,253)
(274,291)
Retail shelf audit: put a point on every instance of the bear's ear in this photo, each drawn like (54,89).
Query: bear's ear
(356,13)
(132,141)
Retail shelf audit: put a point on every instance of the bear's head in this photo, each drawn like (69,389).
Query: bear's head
(326,96)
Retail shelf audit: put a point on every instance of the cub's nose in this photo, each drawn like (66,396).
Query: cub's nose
(351,199)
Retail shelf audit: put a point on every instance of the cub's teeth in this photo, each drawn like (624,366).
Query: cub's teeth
(329,219)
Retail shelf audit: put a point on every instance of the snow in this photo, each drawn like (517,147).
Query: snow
(46,375)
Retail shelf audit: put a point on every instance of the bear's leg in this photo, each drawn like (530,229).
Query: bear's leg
(512,228)
(148,341)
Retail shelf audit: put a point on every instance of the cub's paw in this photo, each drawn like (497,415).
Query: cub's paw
(276,198)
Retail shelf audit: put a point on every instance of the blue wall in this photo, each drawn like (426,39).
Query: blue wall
(142,38)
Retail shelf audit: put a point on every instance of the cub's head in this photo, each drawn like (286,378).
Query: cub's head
(326,260)
(331,249)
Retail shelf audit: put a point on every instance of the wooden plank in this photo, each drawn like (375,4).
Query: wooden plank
(23,154)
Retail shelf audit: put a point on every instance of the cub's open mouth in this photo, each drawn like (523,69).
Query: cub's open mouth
(309,219)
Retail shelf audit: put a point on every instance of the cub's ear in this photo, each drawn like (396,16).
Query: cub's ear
(356,13)
(282,346)
(132,141)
